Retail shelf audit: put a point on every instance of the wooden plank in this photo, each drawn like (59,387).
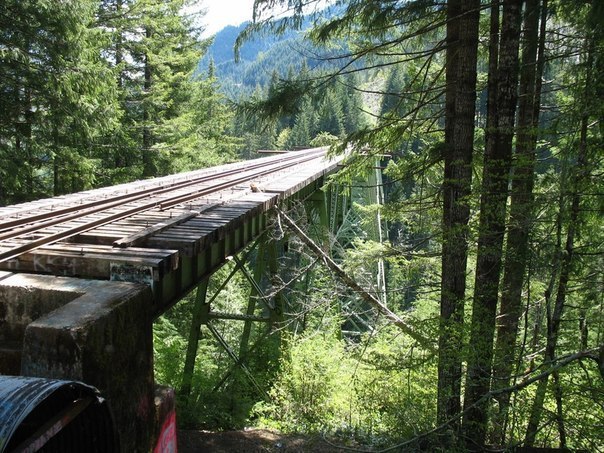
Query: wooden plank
(133,239)
(103,249)
(86,265)
(197,229)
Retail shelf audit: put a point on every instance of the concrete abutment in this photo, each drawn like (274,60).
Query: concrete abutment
(97,332)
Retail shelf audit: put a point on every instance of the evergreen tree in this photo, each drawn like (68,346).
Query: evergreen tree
(521,206)
(576,179)
(460,97)
(503,68)
(301,132)
(331,115)
(352,105)
(171,120)
(53,103)
(391,100)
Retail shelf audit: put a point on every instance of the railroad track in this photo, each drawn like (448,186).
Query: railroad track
(25,229)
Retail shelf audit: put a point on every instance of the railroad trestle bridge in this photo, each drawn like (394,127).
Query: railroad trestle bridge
(83,276)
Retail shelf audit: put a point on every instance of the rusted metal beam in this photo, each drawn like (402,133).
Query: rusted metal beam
(53,426)
(194,335)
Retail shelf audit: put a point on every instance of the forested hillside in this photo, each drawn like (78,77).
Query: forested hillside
(459,303)
(491,113)
(256,68)
(241,69)
(100,92)
(255,62)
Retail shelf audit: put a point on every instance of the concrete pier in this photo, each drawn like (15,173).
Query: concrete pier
(98,332)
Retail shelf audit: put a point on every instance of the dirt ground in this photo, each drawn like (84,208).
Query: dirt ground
(250,441)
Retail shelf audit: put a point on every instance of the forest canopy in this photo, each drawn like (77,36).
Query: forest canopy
(458,303)
(493,114)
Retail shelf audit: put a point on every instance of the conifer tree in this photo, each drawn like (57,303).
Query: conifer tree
(503,68)
(301,132)
(172,119)
(352,105)
(574,183)
(521,205)
(53,103)
(330,115)
(460,96)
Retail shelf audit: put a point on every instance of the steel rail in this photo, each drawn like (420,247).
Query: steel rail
(23,216)
(133,196)
(267,168)
(7,230)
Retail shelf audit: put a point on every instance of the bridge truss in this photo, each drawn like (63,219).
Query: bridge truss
(330,215)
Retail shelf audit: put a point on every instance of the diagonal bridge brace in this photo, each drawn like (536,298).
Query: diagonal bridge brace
(348,280)
(202,315)
(236,359)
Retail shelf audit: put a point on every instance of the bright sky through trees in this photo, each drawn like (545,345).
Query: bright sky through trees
(220,13)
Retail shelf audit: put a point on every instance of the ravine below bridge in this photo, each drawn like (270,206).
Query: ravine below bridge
(83,276)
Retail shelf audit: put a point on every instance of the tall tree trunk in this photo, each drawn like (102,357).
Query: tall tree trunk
(28,142)
(521,208)
(451,309)
(119,45)
(577,179)
(119,159)
(497,163)
(491,124)
(559,410)
(462,46)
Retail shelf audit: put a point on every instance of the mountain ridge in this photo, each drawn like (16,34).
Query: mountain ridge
(260,58)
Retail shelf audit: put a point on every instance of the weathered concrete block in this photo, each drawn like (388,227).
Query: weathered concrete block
(23,301)
(103,338)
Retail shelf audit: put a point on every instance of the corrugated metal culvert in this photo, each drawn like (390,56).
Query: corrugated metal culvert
(54,416)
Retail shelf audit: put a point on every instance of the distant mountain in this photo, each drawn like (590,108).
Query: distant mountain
(260,57)
(222,49)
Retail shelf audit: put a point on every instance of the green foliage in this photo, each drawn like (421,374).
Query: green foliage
(324,139)
(282,94)
(583,412)
(169,346)
(373,390)
(307,395)
(102,92)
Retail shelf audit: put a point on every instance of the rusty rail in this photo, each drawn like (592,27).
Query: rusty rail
(150,198)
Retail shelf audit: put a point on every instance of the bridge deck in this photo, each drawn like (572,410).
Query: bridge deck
(167,232)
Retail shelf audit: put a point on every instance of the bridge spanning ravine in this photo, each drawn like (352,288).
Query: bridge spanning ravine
(83,276)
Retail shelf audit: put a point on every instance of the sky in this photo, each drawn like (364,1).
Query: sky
(220,13)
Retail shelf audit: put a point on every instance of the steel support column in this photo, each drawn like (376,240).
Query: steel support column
(194,335)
